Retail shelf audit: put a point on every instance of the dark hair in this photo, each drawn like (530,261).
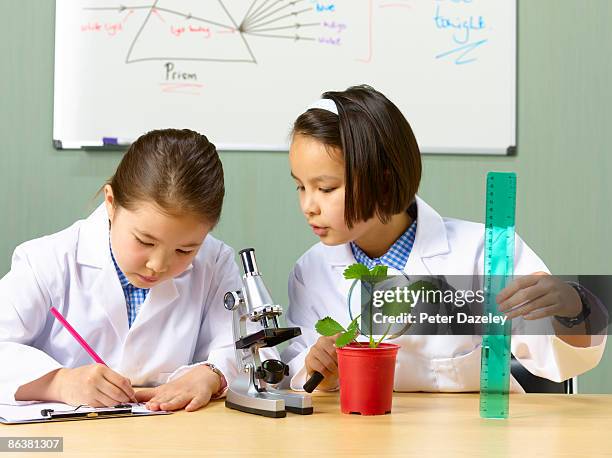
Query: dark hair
(178,170)
(382,162)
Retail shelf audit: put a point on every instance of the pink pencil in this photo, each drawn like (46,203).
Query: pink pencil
(76,335)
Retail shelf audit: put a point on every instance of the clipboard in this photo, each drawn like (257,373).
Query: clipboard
(51,412)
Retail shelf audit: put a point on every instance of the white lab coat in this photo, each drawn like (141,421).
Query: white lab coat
(181,322)
(446,363)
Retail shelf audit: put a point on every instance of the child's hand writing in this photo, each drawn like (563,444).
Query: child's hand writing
(191,391)
(541,295)
(95,385)
(322,358)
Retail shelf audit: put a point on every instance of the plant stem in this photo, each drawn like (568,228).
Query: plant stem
(383,337)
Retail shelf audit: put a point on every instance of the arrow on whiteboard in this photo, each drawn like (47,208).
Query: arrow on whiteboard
(119,8)
(258,23)
(295,37)
(295,26)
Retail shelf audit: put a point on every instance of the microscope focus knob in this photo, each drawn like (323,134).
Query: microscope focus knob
(232,299)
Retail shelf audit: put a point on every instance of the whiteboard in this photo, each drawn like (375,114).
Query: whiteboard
(241,71)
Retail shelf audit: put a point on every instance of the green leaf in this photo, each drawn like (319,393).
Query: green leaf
(379,271)
(356,271)
(328,327)
(354,324)
(346,338)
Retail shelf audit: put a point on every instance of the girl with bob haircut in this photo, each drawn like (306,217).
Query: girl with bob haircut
(357,166)
(140,280)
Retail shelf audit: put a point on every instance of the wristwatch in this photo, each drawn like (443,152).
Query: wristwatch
(584,313)
(223,384)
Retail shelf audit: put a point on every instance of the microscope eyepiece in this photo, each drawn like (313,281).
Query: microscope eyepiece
(249,264)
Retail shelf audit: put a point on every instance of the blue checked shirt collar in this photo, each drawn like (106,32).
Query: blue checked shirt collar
(396,257)
(134,297)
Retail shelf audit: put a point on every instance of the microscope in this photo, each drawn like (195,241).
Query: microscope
(250,391)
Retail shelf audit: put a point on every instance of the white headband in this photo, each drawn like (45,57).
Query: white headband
(324,104)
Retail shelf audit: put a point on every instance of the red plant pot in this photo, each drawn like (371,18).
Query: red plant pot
(366,378)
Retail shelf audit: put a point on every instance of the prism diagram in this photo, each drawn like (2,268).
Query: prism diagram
(204,31)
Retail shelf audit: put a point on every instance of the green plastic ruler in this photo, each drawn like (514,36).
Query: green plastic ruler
(498,268)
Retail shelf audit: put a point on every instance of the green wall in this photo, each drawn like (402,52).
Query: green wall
(563,160)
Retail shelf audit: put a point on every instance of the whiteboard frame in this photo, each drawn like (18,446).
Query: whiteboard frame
(510,150)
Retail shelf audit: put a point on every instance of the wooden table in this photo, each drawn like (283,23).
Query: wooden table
(420,425)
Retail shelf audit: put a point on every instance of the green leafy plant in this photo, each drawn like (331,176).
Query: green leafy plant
(330,327)
(356,272)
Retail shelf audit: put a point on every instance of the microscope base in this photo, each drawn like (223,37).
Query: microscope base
(300,411)
(265,413)
(242,395)
(294,402)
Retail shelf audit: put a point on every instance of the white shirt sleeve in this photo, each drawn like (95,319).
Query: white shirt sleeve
(547,355)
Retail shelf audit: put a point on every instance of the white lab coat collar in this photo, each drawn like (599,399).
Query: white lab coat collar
(430,240)
(93,248)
